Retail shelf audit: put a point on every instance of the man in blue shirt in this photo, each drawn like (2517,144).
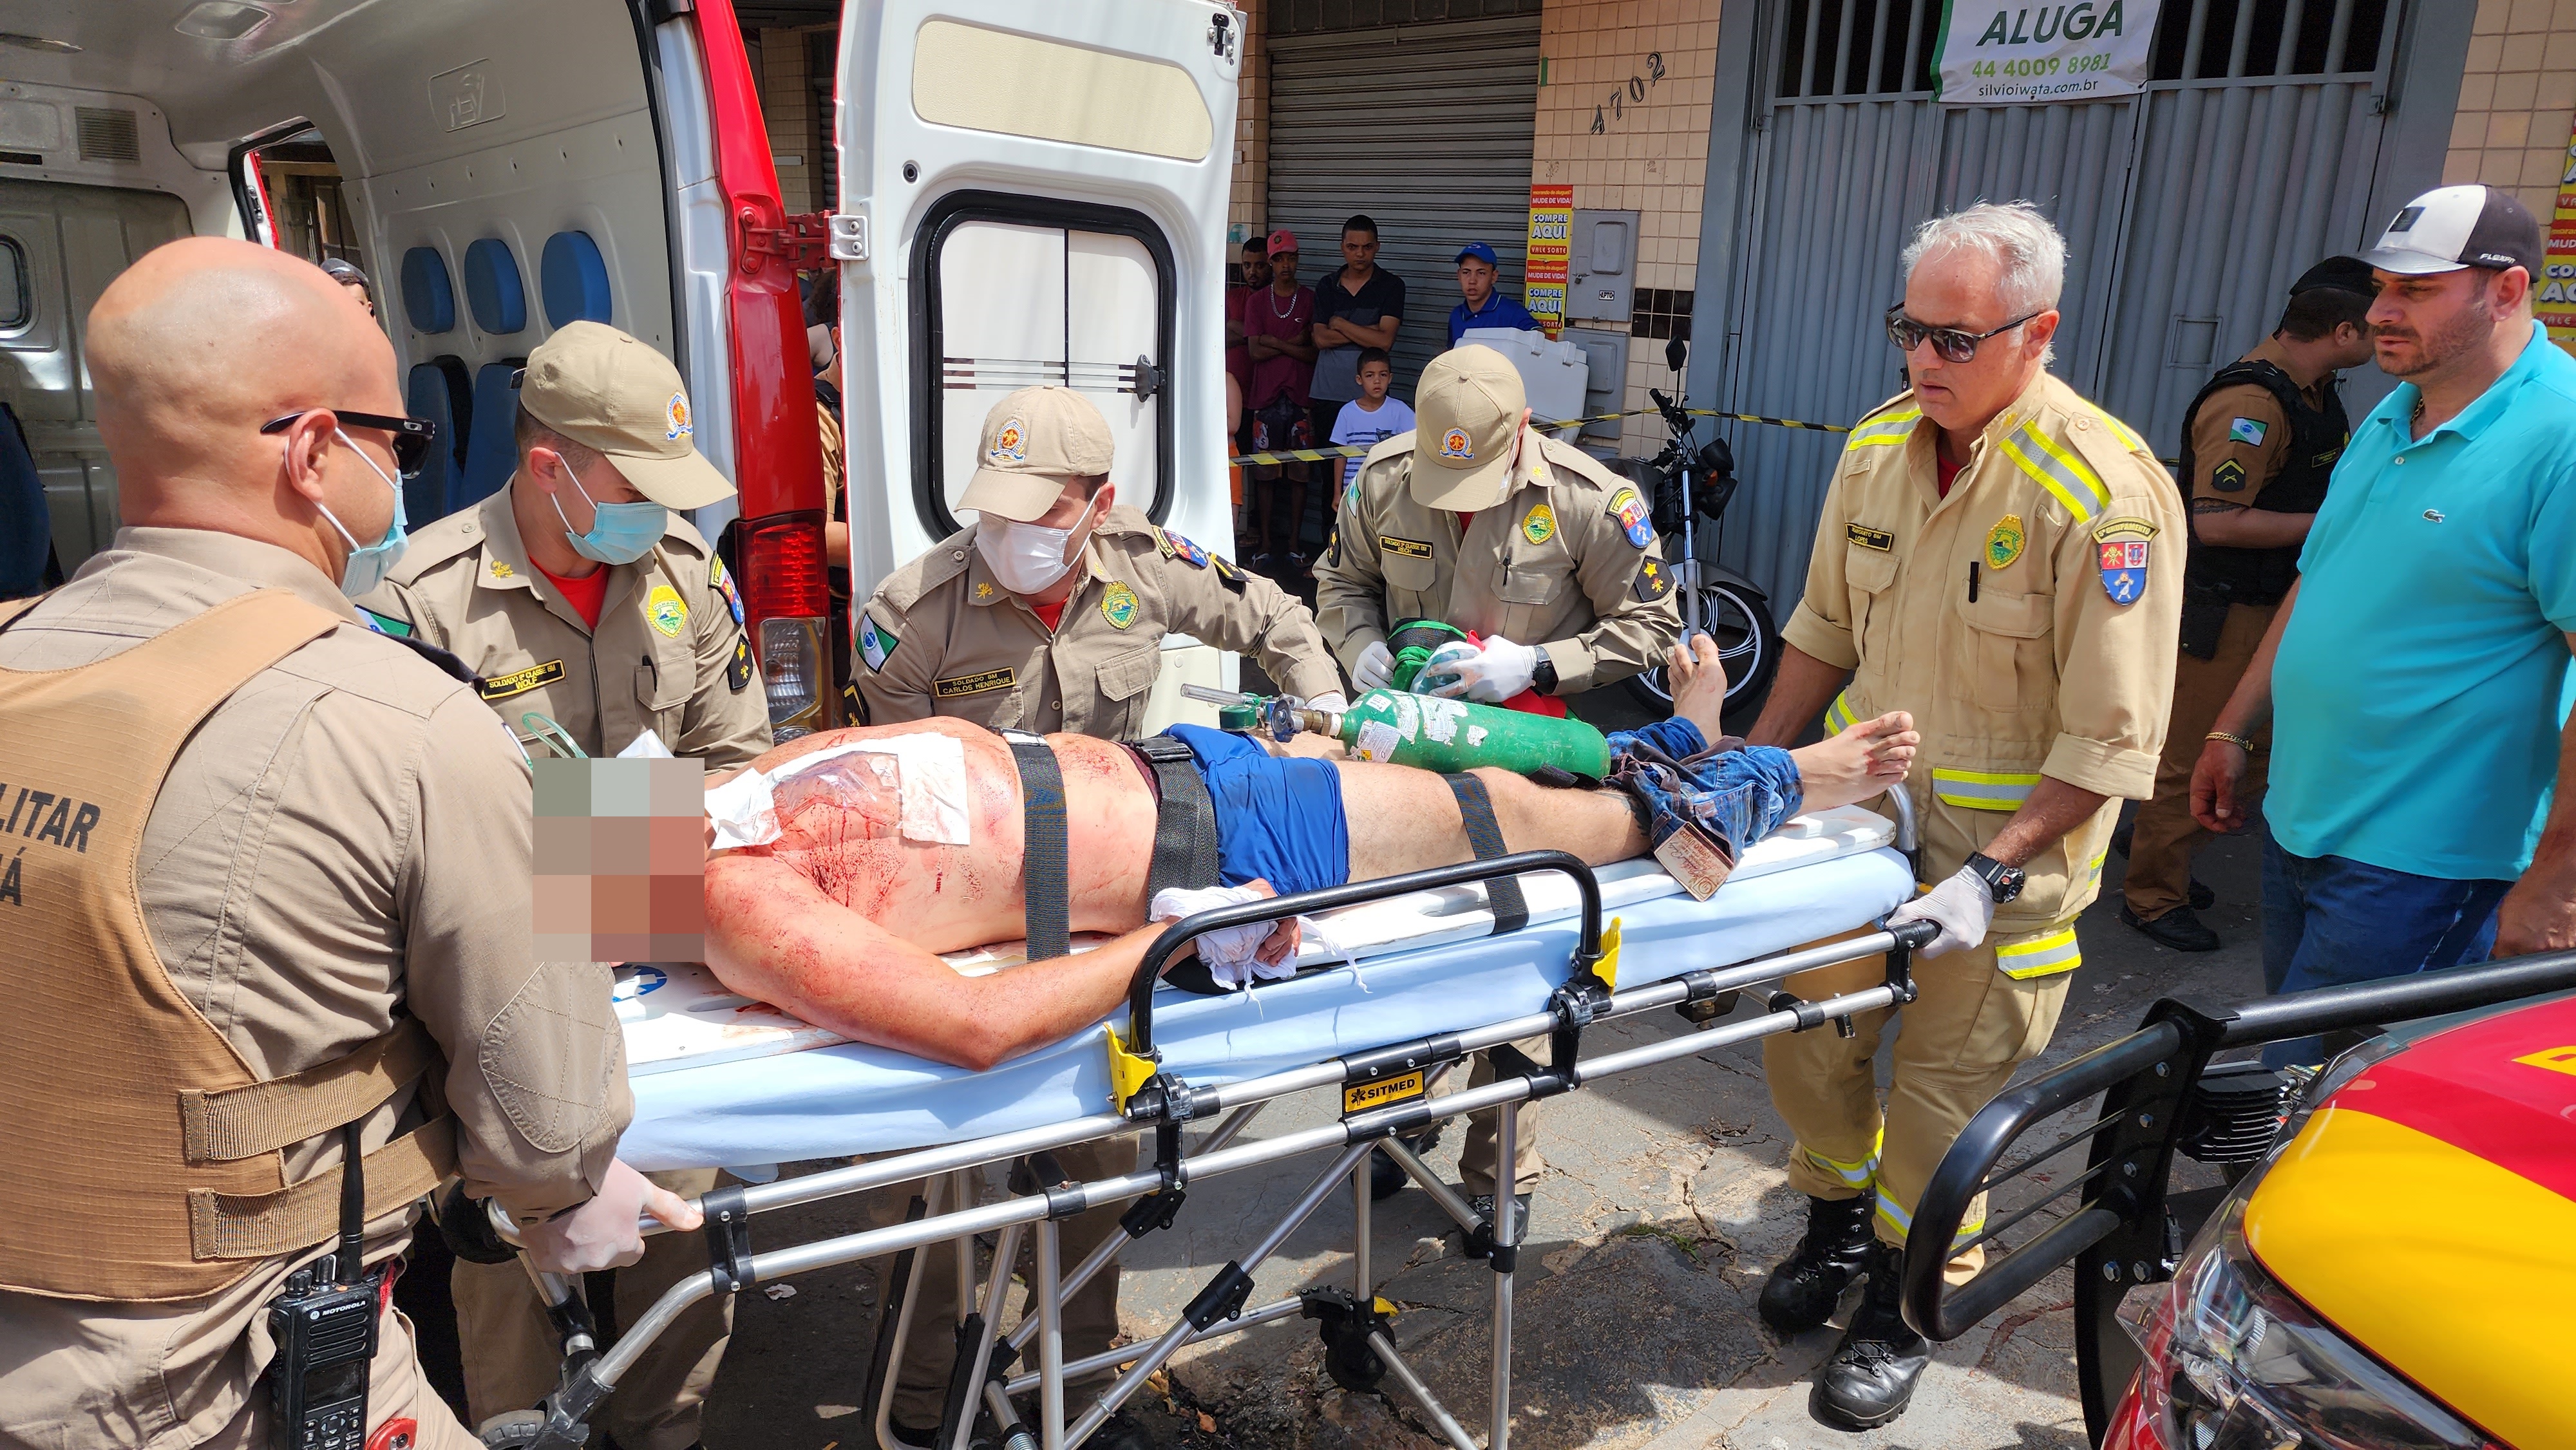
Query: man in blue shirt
(1484,306)
(2416,675)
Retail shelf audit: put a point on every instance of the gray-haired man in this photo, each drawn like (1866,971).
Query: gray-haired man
(2001,558)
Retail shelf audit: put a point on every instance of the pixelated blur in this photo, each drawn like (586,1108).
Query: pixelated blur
(621,861)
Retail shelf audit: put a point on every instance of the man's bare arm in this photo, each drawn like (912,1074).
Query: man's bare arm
(2222,765)
(2054,808)
(2539,913)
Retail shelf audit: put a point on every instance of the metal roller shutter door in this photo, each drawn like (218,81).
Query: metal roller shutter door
(1427,129)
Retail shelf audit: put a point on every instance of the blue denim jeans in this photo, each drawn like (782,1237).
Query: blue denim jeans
(2329,920)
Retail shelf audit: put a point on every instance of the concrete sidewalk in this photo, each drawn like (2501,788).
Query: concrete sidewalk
(1663,1207)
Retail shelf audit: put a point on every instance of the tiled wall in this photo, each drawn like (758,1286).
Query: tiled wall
(1247,203)
(795,129)
(2517,100)
(1650,156)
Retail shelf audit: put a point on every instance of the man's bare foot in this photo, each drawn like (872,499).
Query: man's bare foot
(1858,764)
(1696,678)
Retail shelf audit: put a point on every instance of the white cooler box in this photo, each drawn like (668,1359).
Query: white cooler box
(1553,373)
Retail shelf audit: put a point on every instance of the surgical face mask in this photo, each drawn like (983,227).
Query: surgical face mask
(1026,558)
(369,563)
(620,533)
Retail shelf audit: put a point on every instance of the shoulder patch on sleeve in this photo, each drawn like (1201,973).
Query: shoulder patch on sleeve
(738,671)
(876,643)
(723,583)
(1629,509)
(1653,580)
(1174,546)
(386,623)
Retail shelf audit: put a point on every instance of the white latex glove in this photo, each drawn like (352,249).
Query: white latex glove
(1237,955)
(1964,907)
(1497,672)
(602,1233)
(1376,667)
(1330,700)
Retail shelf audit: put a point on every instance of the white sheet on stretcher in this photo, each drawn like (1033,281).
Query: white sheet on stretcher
(721,1082)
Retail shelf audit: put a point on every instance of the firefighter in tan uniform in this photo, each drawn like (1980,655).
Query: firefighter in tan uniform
(292,893)
(1047,614)
(1479,520)
(578,593)
(2259,445)
(2001,558)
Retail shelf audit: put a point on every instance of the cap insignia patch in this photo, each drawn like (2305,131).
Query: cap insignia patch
(675,413)
(1456,444)
(1011,444)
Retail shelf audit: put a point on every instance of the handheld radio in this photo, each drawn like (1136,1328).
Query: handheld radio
(324,1326)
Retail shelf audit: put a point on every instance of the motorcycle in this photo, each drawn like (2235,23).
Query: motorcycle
(1688,486)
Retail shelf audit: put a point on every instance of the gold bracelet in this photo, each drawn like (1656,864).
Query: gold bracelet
(2239,741)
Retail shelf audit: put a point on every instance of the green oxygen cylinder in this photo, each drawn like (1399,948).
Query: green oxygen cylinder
(1454,735)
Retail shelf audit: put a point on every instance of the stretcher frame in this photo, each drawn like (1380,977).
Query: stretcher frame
(1150,1099)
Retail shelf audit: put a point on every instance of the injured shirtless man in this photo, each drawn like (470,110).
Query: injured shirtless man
(840,919)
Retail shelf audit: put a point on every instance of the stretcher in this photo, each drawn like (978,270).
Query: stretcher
(1407,977)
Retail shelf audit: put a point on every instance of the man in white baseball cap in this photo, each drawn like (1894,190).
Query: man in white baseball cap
(2422,805)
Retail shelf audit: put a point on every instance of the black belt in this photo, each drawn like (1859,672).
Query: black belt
(1185,822)
(1042,852)
(1485,838)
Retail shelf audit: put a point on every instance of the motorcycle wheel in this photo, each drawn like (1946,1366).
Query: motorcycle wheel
(1747,641)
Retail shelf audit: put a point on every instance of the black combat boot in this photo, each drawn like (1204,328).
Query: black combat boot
(1872,1373)
(1802,1291)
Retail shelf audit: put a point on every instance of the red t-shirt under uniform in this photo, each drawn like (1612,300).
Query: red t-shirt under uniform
(585,594)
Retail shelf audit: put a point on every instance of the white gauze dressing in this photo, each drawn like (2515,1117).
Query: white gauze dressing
(929,769)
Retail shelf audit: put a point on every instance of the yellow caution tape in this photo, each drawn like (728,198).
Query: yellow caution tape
(1128,1073)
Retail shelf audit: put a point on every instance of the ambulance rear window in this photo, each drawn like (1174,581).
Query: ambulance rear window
(17,298)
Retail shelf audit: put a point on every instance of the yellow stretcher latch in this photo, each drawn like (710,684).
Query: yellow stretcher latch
(1607,969)
(1128,1073)
(1383,1305)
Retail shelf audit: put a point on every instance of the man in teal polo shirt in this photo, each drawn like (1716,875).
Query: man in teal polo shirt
(2417,674)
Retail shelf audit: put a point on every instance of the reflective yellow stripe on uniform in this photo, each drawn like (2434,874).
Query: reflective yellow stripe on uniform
(1862,1175)
(1878,432)
(1838,715)
(2128,436)
(1902,1221)
(2093,873)
(2041,956)
(2068,478)
(1983,790)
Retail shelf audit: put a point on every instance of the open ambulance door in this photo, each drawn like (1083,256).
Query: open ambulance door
(1036,195)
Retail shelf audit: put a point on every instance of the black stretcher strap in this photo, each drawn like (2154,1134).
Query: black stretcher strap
(1485,838)
(1042,857)
(1185,822)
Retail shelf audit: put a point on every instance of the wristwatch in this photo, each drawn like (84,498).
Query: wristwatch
(2005,882)
(1543,678)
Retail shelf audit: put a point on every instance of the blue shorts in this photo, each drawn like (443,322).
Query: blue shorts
(1278,818)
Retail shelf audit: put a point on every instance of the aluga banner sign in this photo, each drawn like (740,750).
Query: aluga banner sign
(2001,53)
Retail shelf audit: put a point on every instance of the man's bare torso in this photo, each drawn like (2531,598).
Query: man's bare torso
(840,831)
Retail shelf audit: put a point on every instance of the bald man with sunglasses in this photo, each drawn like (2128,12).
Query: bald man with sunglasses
(2002,558)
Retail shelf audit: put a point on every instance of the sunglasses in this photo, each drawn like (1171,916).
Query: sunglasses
(411,436)
(1952,344)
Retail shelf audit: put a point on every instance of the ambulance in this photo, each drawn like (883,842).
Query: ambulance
(2402,1273)
(1030,193)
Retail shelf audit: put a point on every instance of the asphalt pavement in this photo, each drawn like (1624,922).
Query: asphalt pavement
(1663,1206)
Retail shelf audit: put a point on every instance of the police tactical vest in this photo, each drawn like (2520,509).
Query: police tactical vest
(140,1157)
(2317,437)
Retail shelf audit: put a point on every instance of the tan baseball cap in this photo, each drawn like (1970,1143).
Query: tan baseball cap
(605,390)
(1034,440)
(1467,411)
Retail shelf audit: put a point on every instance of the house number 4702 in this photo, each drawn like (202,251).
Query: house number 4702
(1615,105)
